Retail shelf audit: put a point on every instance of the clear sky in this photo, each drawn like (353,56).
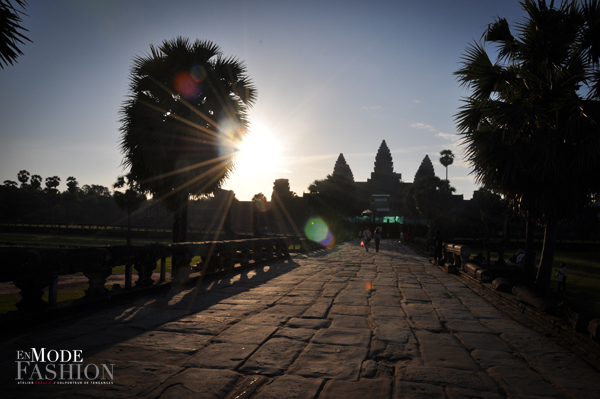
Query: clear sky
(332,77)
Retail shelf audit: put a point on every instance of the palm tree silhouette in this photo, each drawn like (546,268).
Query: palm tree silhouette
(183,122)
(446,159)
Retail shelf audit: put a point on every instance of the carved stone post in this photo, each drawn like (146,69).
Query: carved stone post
(145,267)
(32,290)
(97,280)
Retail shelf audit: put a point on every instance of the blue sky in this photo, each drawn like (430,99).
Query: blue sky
(332,77)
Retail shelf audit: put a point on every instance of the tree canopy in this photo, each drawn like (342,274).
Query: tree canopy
(183,121)
(10,31)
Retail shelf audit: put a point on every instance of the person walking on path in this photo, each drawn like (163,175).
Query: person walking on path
(377,237)
(438,247)
(561,275)
(366,238)
(401,237)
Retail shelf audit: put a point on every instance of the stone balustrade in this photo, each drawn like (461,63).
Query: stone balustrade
(455,257)
(34,270)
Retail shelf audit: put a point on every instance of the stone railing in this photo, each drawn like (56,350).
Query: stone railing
(35,270)
(455,257)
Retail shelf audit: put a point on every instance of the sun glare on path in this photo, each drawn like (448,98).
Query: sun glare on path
(260,151)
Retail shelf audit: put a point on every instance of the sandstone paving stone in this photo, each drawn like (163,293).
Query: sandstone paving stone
(290,387)
(351,299)
(463,393)
(491,358)
(384,301)
(413,390)
(90,343)
(438,339)
(519,380)
(346,321)
(415,309)
(485,341)
(503,325)
(387,292)
(320,309)
(333,289)
(329,361)
(246,333)
(314,324)
(299,334)
(391,330)
(166,353)
(455,314)
(297,300)
(311,285)
(390,351)
(287,310)
(486,311)
(197,383)
(273,357)
(558,367)
(474,326)
(236,310)
(478,381)
(366,389)
(267,319)
(451,357)
(350,310)
(343,336)
(388,312)
(432,324)
(221,356)
(205,325)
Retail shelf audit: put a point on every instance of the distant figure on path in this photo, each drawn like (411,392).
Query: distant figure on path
(377,236)
(437,247)
(367,238)
(401,237)
(562,277)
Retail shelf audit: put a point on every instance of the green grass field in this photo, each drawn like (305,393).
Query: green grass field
(53,240)
(583,275)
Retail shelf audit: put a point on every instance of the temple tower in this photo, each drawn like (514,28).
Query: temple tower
(383,178)
(342,169)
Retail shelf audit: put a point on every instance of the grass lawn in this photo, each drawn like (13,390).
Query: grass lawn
(52,240)
(583,274)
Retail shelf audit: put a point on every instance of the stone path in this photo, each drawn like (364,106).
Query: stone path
(340,323)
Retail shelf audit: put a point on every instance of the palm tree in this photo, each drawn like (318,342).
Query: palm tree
(183,121)
(10,20)
(530,124)
(446,159)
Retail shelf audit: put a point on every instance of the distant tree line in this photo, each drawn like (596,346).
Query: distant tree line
(39,200)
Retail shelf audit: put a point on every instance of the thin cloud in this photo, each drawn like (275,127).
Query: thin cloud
(438,133)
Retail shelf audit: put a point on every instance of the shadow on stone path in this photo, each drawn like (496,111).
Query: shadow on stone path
(339,323)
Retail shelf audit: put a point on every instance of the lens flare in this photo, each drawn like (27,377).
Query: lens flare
(186,85)
(198,73)
(316,230)
(262,204)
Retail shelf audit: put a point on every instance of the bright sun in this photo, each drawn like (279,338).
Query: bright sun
(260,151)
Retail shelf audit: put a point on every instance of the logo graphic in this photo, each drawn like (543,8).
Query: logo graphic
(51,366)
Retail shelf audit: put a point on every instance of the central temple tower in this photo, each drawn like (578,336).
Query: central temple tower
(383,178)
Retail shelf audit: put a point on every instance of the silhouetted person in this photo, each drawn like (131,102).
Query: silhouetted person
(438,245)
(377,237)
(367,238)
